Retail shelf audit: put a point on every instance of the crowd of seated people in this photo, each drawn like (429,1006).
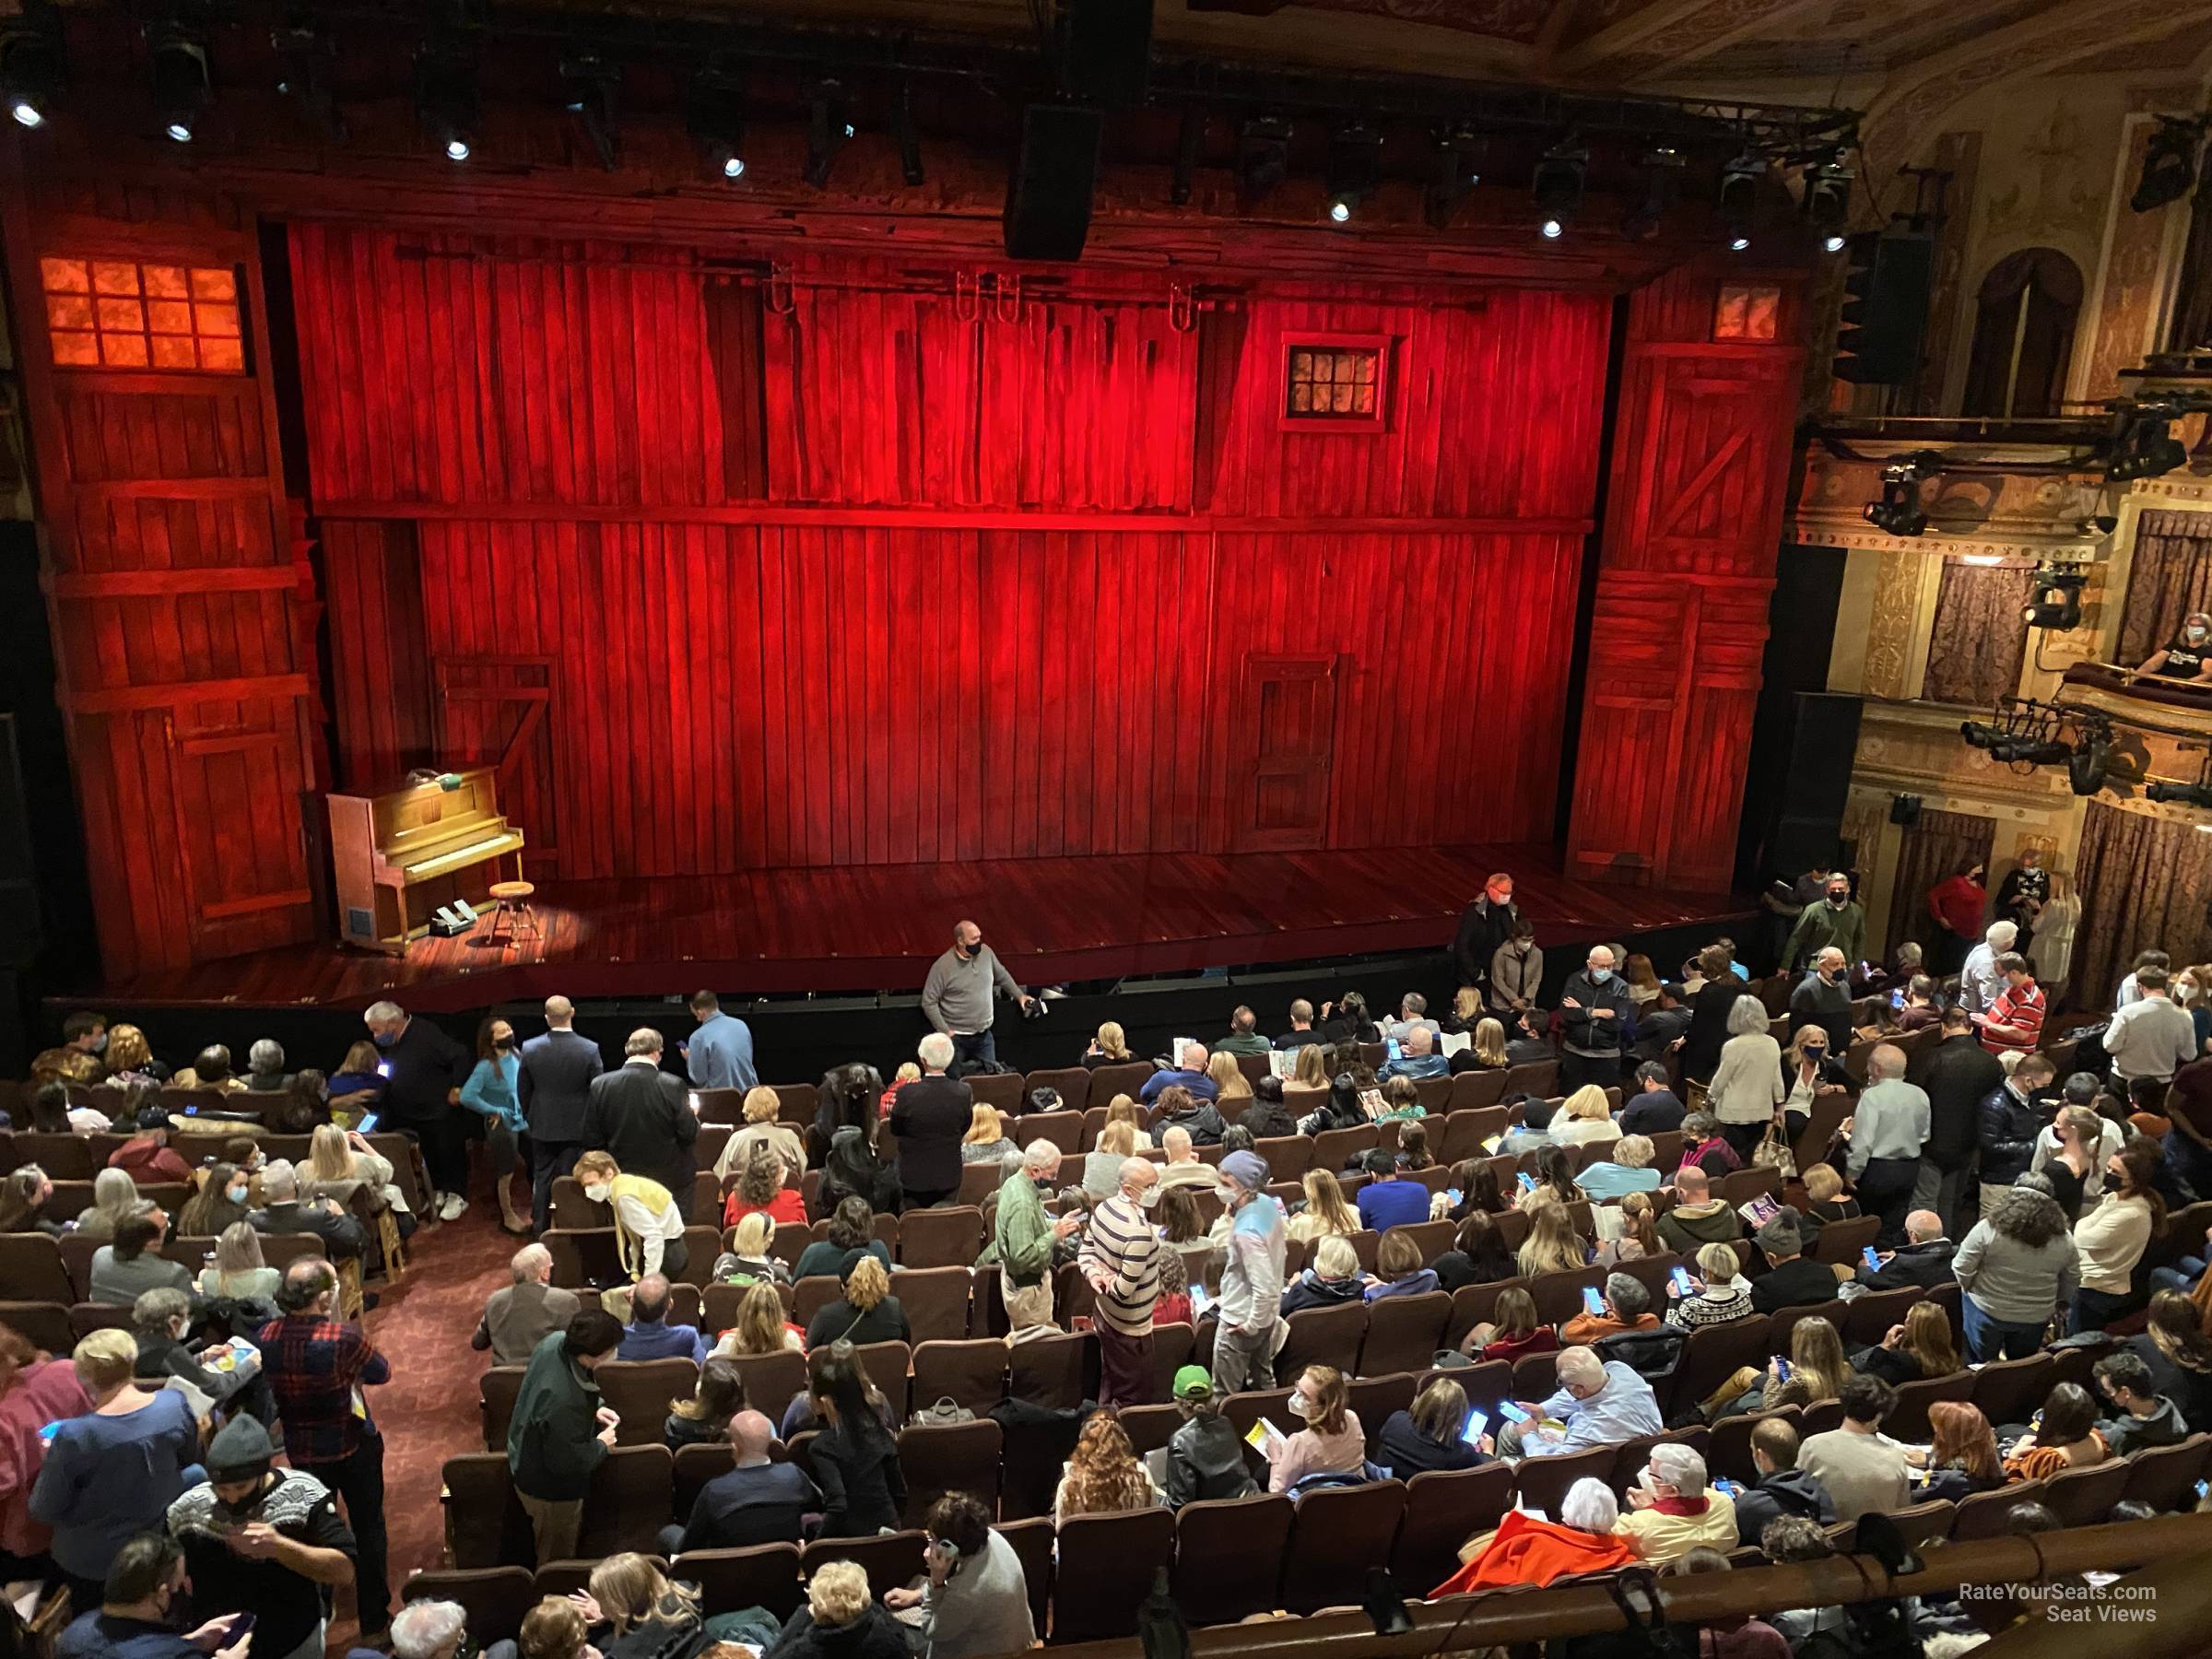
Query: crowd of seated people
(2055,1238)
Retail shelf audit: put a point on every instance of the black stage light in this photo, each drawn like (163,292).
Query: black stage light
(1355,168)
(1828,195)
(714,114)
(2179,794)
(446,99)
(2030,750)
(304,61)
(1662,167)
(1558,185)
(2168,163)
(2144,445)
(1456,167)
(1190,138)
(31,74)
(1981,735)
(590,90)
(907,136)
(1899,511)
(2055,602)
(828,126)
(1262,158)
(182,85)
(2090,759)
(1739,197)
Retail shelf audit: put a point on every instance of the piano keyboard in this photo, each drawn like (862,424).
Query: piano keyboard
(474,853)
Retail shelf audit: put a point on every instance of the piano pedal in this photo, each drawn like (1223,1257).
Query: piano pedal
(445,924)
(468,911)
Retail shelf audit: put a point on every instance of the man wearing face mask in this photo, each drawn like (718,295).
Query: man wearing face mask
(1837,920)
(1594,1007)
(1485,926)
(140,1607)
(1823,998)
(2022,895)
(84,1039)
(1252,1278)
(955,997)
(2187,657)
(424,1070)
(268,1541)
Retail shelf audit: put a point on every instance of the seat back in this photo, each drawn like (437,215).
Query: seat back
(890,1560)
(572,1211)
(1057,1371)
(1064,1129)
(1543,1481)
(88,1317)
(766,1575)
(1475,1304)
(639,1391)
(2166,1476)
(2084,1496)
(1731,1444)
(1868,1318)
(1909,1422)
(1337,1535)
(1226,1553)
(583,1257)
(1288,1156)
(771,1380)
(1841,1241)
(1333,1148)
(1536,1376)
(1111,1080)
(951,1457)
(1712,1355)
(44,1324)
(1404,1332)
(494,1598)
(2009,1391)
(971,1373)
(497,1392)
(1538,1078)
(1322,1336)
(1982,1515)
(31,1269)
(936,1300)
(629,1501)
(1445,1508)
(941,1238)
(485,1525)
(63,1157)
(1107,1565)
(697,1464)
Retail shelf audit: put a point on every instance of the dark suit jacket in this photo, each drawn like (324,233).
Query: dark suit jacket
(1483,927)
(426,1065)
(1958,1073)
(1922,1266)
(639,1113)
(556,1084)
(929,1115)
(341,1235)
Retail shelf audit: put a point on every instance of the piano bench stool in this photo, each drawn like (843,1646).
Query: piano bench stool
(511,901)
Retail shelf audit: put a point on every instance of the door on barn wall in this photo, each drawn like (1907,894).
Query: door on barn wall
(497,711)
(234,786)
(1290,713)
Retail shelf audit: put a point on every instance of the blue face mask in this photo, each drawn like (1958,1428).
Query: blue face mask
(238,1194)
(1598,976)
(99,1043)
(385,1039)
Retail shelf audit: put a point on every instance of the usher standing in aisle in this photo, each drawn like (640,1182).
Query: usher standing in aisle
(957,995)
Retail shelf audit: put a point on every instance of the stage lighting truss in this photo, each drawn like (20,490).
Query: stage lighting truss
(2025,733)
(1899,511)
(2143,444)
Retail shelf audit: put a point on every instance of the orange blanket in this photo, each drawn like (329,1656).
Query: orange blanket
(1529,1551)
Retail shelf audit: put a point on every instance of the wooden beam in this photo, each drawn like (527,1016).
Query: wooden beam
(125,699)
(152,585)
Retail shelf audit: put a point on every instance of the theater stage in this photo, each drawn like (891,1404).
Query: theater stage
(878,927)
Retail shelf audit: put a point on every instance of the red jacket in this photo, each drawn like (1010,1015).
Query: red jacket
(1958,904)
(788,1209)
(144,1162)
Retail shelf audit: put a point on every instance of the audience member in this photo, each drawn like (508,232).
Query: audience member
(1705,1148)
(238,1272)
(760,1326)
(1673,1509)
(2074,1151)
(703,1417)
(519,1316)
(853,1169)
(648,1224)
(423,1071)
(2144,1417)
(2066,1435)
(975,1600)
(719,1053)
(433,1630)
(1392,1197)
(114,1196)
(1962,1457)
(1720,1294)
(929,1117)
(1553,1245)
(494,1093)
(1979,979)
(758,1501)
(865,1312)
(2149,1039)
(1431,1434)
(137,1612)
(2017,1268)
(1917,1350)
(1920,1263)
(1654,1108)
(1251,1279)
(760,1190)
(2110,1241)
(2010,1119)
(1332,1442)
(560,1433)
(1835,923)
(553,1086)
(855,1459)
(1103,1476)
(1823,998)
(146,1158)
(1528,1549)
(1889,1131)
(1398,1269)
(35,1389)
(839,1619)
(956,996)
(1599,1403)
(282,1214)
(1745,1094)
(1584,1118)
(1594,1008)
(1512,1331)
(2174,1345)
(637,1115)
(210,1070)
(1698,1217)
(219,1201)
(1121,1257)
(133,1264)
(852,1230)
(1792,1280)
(1781,1488)
(159,1320)
(1861,1468)
(1531,1132)
(649,1335)
(1627,1306)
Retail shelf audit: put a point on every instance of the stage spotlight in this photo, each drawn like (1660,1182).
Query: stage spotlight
(1835,243)
(1558,185)
(2144,445)
(30,74)
(1551,229)
(1898,513)
(445,100)
(2030,750)
(2168,163)
(714,115)
(2179,794)
(907,136)
(590,90)
(304,60)
(1262,158)
(1190,138)
(1455,170)
(1980,734)
(1663,168)
(1828,197)
(1354,169)
(2090,759)
(828,126)
(1739,197)
(2055,602)
(1736,245)
(182,87)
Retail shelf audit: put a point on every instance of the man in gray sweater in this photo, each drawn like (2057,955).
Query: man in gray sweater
(957,995)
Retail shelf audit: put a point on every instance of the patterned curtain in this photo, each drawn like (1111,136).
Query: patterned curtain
(2145,883)
(1934,845)
(2172,576)
(1978,641)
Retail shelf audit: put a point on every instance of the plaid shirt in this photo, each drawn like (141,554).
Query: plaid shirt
(313,1367)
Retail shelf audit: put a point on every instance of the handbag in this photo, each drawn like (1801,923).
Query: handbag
(945,1413)
(1773,1153)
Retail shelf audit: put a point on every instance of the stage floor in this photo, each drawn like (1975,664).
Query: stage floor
(876,927)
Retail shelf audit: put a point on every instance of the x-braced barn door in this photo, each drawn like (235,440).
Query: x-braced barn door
(497,712)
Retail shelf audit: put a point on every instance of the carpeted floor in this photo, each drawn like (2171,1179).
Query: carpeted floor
(428,1410)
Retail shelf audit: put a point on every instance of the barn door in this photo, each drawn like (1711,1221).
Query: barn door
(497,712)
(234,791)
(1291,710)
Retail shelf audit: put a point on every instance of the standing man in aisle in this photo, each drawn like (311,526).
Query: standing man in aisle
(1484,928)
(638,1113)
(957,995)
(1837,920)
(720,1055)
(423,1071)
(554,1088)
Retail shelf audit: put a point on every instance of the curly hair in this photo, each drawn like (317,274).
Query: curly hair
(1103,1476)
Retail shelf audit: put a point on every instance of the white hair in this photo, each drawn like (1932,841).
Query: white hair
(384,1013)
(1132,1171)
(1040,1156)
(935,1051)
(1590,1506)
(279,1181)
(1680,1467)
(422,1628)
(1886,1060)
(265,1055)
(528,1261)
(1583,1363)
(2001,935)
(1748,1016)
(643,1040)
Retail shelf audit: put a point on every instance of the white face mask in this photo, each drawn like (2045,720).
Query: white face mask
(1297,1406)
(597,1193)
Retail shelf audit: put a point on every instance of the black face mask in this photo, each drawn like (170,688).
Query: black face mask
(975,950)
(503,1044)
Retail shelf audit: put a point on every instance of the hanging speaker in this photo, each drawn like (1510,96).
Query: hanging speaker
(1106,50)
(1904,809)
(1048,190)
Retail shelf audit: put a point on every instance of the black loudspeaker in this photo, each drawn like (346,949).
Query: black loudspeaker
(1816,782)
(1904,809)
(1106,50)
(1885,307)
(1048,189)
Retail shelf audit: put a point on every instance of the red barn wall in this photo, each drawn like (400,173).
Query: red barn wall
(855,568)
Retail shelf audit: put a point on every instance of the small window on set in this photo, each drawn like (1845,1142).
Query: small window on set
(1747,311)
(1336,381)
(119,313)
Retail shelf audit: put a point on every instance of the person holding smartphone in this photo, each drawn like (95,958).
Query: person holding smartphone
(975,1600)
(139,1604)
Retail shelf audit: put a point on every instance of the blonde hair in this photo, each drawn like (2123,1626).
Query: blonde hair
(908,1071)
(328,1155)
(1335,1258)
(1229,1082)
(127,1050)
(867,1284)
(1552,1245)
(1587,1103)
(105,1359)
(983,1126)
(759,1327)
(630,1590)
(837,1593)
(1118,1137)
(1822,1182)
(1312,1069)
(1489,1042)
(1718,1264)
(1112,1042)
(1123,1110)
(237,1250)
(1466,1003)
(760,1104)
(1325,1200)
(596,1163)
(753,1234)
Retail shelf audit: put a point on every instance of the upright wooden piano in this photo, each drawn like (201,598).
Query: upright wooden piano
(426,838)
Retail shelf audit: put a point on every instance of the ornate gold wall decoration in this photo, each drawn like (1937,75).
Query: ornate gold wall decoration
(1891,629)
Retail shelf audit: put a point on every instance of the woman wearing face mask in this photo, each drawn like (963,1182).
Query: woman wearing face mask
(492,1092)
(159,1321)
(2187,657)
(1958,904)
(220,1201)
(1808,1068)
(1332,1440)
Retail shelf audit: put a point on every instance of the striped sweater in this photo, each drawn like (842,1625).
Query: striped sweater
(1121,1259)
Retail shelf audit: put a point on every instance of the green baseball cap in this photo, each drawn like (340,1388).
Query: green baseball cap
(1193,1383)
